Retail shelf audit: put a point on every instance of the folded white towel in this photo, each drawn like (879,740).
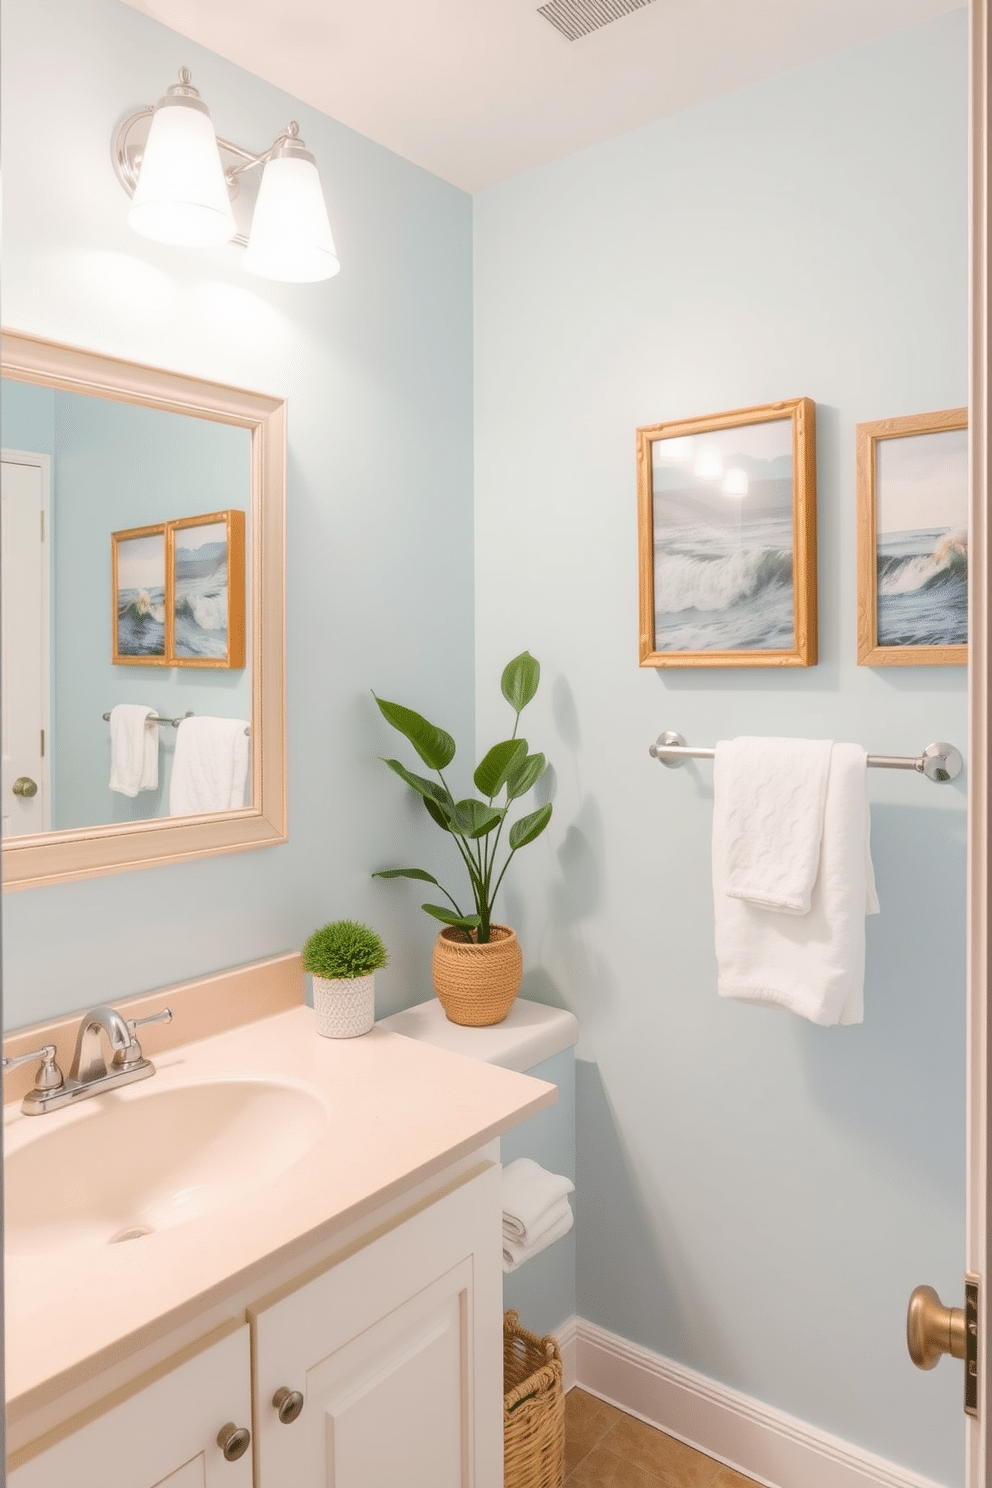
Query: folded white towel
(133,749)
(547,1221)
(515,1254)
(811,964)
(768,802)
(529,1192)
(210,766)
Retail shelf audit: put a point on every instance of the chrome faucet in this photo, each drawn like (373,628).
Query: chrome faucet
(89,1073)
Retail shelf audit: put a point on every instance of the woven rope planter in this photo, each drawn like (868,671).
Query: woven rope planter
(344,1006)
(533,1409)
(476,984)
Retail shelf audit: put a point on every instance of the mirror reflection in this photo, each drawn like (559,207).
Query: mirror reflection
(112,633)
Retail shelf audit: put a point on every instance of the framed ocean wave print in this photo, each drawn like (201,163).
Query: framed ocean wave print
(206,609)
(138,567)
(913,540)
(727,538)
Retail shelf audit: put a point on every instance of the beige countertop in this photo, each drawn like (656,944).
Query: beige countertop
(390,1114)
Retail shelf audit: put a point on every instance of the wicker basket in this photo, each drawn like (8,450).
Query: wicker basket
(476,984)
(533,1409)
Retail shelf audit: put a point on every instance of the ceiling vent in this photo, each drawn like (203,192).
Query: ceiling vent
(576,18)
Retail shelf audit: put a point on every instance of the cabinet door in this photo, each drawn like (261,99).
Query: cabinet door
(162,1435)
(397,1352)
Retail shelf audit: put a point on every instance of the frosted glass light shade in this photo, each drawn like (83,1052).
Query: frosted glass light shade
(290,234)
(181,196)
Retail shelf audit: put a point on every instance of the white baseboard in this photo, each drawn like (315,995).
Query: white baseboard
(763,1443)
(567,1336)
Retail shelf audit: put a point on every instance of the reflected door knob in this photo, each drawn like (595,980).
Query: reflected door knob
(24,786)
(933,1329)
(233,1441)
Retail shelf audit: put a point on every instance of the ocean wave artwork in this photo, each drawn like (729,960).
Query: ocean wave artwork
(141,622)
(922,583)
(200,605)
(725,589)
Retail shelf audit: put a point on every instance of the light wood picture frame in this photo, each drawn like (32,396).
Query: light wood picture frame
(140,596)
(912,520)
(727,538)
(205,613)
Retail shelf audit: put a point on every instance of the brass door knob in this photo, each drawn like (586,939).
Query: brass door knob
(233,1441)
(289,1404)
(24,786)
(933,1329)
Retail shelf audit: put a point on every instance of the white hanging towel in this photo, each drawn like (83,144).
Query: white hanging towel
(812,964)
(530,1192)
(210,766)
(133,749)
(768,818)
(515,1253)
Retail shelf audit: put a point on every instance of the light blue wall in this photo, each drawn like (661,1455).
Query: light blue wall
(376,367)
(116,466)
(757,1196)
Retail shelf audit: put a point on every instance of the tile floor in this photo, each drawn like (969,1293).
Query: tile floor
(604,1448)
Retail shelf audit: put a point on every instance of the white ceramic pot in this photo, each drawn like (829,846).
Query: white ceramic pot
(345,1006)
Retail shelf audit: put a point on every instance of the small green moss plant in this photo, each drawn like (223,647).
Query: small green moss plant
(475,825)
(344,949)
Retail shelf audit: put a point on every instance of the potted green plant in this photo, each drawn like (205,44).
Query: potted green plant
(342,958)
(477,965)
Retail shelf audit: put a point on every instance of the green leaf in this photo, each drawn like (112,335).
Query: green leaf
(420,873)
(426,788)
(529,827)
(435,747)
(527,773)
(472,818)
(491,775)
(519,680)
(466,922)
(438,813)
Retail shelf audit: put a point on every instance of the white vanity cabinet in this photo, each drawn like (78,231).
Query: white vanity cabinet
(385,1355)
(161,1433)
(396,1353)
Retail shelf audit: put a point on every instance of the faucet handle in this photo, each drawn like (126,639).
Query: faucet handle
(164,1016)
(49,1076)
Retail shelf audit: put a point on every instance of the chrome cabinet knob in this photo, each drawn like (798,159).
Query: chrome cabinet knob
(24,786)
(289,1404)
(933,1329)
(233,1441)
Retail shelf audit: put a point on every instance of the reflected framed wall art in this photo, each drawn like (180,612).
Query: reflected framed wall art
(138,565)
(727,538)
(913,496)
(205,614)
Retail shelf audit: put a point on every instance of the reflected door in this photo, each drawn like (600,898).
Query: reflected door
(24,568)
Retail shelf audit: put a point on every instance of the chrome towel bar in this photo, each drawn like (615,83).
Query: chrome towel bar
(171,722)
(938,762)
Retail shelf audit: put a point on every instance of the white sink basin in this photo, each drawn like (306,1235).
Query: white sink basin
(136,1161)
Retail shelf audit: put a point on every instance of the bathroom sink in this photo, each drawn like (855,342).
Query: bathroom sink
(141,1160)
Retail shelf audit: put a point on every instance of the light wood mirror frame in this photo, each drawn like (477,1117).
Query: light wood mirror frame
(53,857)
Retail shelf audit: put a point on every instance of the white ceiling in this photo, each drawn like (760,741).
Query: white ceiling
(478,91)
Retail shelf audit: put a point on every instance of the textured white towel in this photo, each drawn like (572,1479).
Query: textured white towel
(210,766)
(812,964)
(547,1221)
(515,1254)
(529,1192)
(133,749)
(768,801)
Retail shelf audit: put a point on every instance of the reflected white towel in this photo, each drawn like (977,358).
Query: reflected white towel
(769,798)
(210,766)
(811,964)
(133,749)
(515,1253)
(529,1193)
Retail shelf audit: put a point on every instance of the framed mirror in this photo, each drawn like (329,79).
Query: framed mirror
(143,552)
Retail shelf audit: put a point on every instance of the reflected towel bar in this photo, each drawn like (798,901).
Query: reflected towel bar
(938,762)
(172,722)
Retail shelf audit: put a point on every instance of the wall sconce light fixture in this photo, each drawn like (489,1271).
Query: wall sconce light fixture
(181,179)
